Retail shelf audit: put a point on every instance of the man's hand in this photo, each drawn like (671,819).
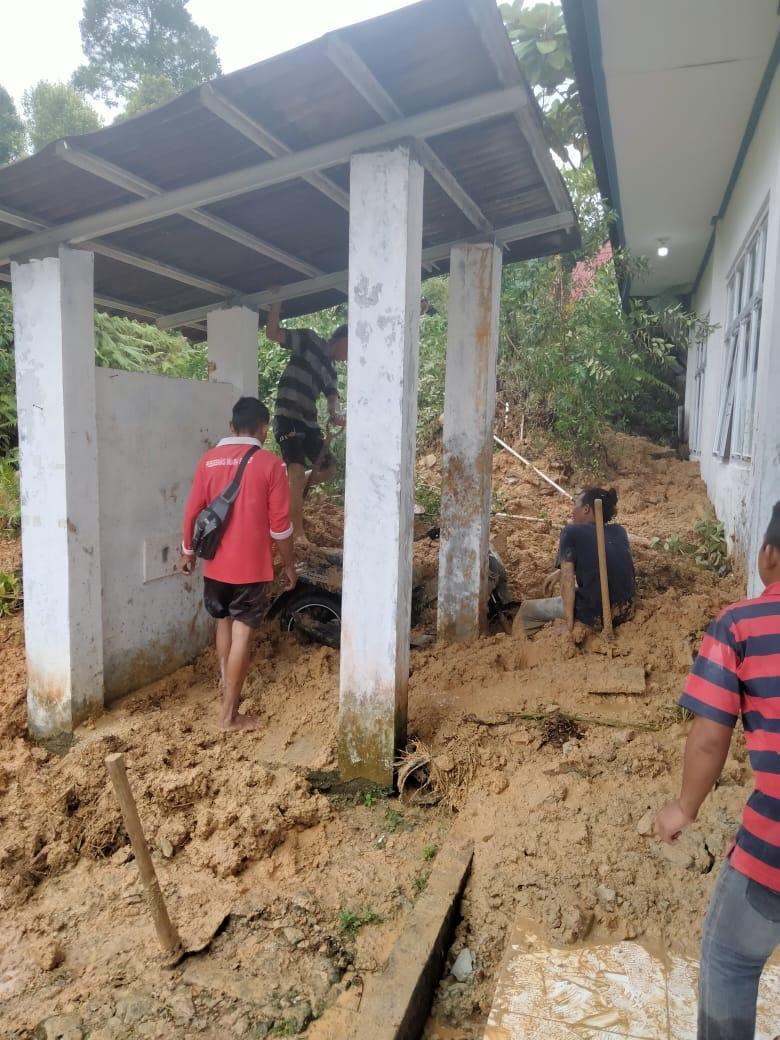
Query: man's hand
(291,576)
(337,419)
(550,582)
(187,563)
(670,822)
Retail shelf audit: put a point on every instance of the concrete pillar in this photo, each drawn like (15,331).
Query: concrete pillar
(55,391)
(232,339)
(469,411)
(385,243)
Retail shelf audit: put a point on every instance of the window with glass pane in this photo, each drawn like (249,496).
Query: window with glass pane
(699,347)
(734,429)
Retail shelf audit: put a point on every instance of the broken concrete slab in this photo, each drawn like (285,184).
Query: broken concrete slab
(610,991)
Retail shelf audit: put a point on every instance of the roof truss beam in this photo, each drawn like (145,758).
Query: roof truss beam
(338,280)
(231,114)
(487,20)
(122,178)
(125,308)
(355,71)
(124,256)
(274,171)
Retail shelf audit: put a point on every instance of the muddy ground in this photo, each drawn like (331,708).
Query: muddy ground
(318,885)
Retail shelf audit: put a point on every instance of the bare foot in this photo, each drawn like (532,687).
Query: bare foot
(240,722)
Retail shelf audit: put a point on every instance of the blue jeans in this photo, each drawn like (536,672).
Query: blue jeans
(741,931)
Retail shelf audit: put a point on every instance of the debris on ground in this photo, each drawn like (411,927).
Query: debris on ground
(552,785)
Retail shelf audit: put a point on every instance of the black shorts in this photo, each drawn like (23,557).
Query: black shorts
(300,443)
(244,603)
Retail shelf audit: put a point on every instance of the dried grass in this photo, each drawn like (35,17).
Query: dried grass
(426,778)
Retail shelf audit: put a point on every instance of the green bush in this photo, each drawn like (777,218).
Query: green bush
(708,548)
(10,506)
(10,593)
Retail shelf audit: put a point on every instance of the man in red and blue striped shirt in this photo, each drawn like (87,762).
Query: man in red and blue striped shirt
(737,673)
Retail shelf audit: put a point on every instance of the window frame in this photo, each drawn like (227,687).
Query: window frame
(735,426)
(699,346)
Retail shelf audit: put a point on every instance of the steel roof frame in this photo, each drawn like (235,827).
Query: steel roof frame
(430,123)
(122,178)
(124,256)
(352,67)
(234,116)
(338,279)
(120,305)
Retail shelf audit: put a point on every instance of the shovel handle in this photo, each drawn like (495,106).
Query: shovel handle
(601,545)
(166,929)
(568,592)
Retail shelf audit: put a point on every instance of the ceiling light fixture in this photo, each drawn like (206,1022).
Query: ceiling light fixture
(663,248)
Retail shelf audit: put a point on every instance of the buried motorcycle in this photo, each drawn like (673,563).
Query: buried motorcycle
(313,608)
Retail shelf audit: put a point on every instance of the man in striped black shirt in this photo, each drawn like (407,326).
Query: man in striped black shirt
(737,673)
(309,373)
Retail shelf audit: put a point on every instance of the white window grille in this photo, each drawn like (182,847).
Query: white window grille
(697,403)
(734,430)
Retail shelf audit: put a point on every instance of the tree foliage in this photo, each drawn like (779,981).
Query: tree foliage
(153,90)
(574,361)
(11,129)
(541,43)
(55,110)
(127,41)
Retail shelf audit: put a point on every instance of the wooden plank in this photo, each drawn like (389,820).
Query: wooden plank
(397,1002)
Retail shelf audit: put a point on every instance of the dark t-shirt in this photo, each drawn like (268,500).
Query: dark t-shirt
(308,374)
(578,546)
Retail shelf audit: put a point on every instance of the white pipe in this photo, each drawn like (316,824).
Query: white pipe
(530,465)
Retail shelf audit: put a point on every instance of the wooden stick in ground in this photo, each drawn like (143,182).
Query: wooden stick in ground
(601,545)
(166,930)
(530,465)
(568,592)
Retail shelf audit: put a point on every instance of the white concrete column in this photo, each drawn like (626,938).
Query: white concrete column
(55,391)
(385,244)
(469,411)
(232,339)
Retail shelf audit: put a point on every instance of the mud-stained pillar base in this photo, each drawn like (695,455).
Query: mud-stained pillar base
(385,244)
(55,390)
(469,408)
(232,336)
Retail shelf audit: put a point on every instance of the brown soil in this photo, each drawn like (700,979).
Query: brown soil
(549,781)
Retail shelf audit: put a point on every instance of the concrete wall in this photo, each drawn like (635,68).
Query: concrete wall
(743,492)
(151,432)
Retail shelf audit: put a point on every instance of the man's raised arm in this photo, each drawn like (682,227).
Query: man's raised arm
(272,328)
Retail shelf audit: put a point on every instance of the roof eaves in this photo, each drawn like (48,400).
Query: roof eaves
(582,25)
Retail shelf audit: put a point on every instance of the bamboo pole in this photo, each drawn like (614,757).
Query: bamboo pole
(166,930)
(530,465)
(601,545)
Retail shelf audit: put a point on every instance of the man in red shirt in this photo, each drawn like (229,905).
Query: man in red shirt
(737,673)
(237,580)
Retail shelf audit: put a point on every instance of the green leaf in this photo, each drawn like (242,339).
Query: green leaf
(546,46)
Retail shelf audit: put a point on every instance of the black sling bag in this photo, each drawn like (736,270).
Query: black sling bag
(211,521)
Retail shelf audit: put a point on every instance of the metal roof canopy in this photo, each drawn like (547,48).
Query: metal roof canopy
(243,184)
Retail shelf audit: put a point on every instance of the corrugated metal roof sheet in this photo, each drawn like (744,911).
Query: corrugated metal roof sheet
(425,56)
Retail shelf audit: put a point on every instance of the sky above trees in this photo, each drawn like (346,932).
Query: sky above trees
(246,32)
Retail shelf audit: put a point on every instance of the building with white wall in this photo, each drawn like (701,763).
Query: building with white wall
(682,105)
(344,170)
